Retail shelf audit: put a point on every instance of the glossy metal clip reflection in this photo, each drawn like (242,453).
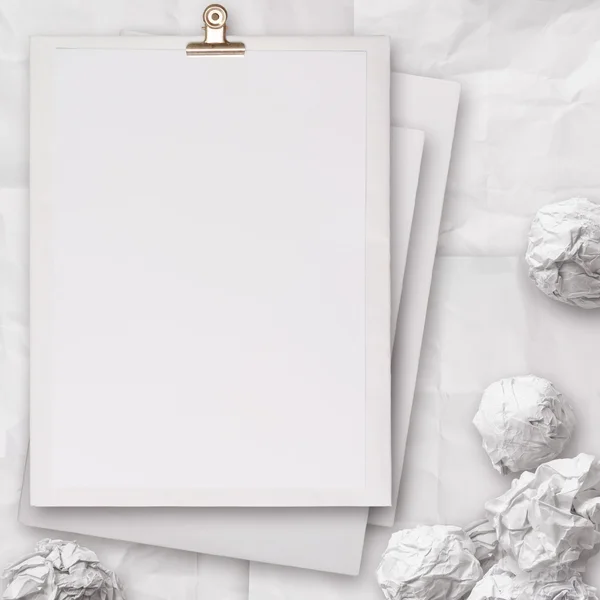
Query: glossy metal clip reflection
(215,41)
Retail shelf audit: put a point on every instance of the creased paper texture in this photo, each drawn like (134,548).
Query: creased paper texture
(523,422)
(484,538)
(562,583)
(60,570)
(564,252)
(550,518)
(427,563)
(527,134)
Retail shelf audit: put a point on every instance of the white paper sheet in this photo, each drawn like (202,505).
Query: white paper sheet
(407,154)
(205,244)
(329,539)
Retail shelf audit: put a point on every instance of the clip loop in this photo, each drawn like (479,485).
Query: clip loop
(215,41)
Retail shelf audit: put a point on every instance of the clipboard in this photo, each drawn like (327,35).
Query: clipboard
(210,304)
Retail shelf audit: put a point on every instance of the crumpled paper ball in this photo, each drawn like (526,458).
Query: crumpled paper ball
(557,584)
(428,563)
(563,253)
(551,517)
(60,570)
(483,535)
(524,422)
(560,583)
(496,584)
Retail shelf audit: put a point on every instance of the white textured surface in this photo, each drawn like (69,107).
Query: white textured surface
(429,561)
(563,253)
(527,132)
(523,421)
(549,518)
(528,135)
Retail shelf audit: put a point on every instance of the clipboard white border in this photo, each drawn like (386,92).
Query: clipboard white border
(377,488)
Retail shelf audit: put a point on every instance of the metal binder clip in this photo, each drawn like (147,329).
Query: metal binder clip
(215,42)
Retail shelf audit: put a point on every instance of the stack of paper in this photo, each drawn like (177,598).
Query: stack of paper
(418,102)
(322,536)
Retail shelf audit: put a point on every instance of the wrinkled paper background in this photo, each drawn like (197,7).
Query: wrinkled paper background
(528,134)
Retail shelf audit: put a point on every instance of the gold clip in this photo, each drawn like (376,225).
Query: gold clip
(215,42)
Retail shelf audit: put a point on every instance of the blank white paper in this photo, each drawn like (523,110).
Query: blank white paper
(208,298)
(329,539)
